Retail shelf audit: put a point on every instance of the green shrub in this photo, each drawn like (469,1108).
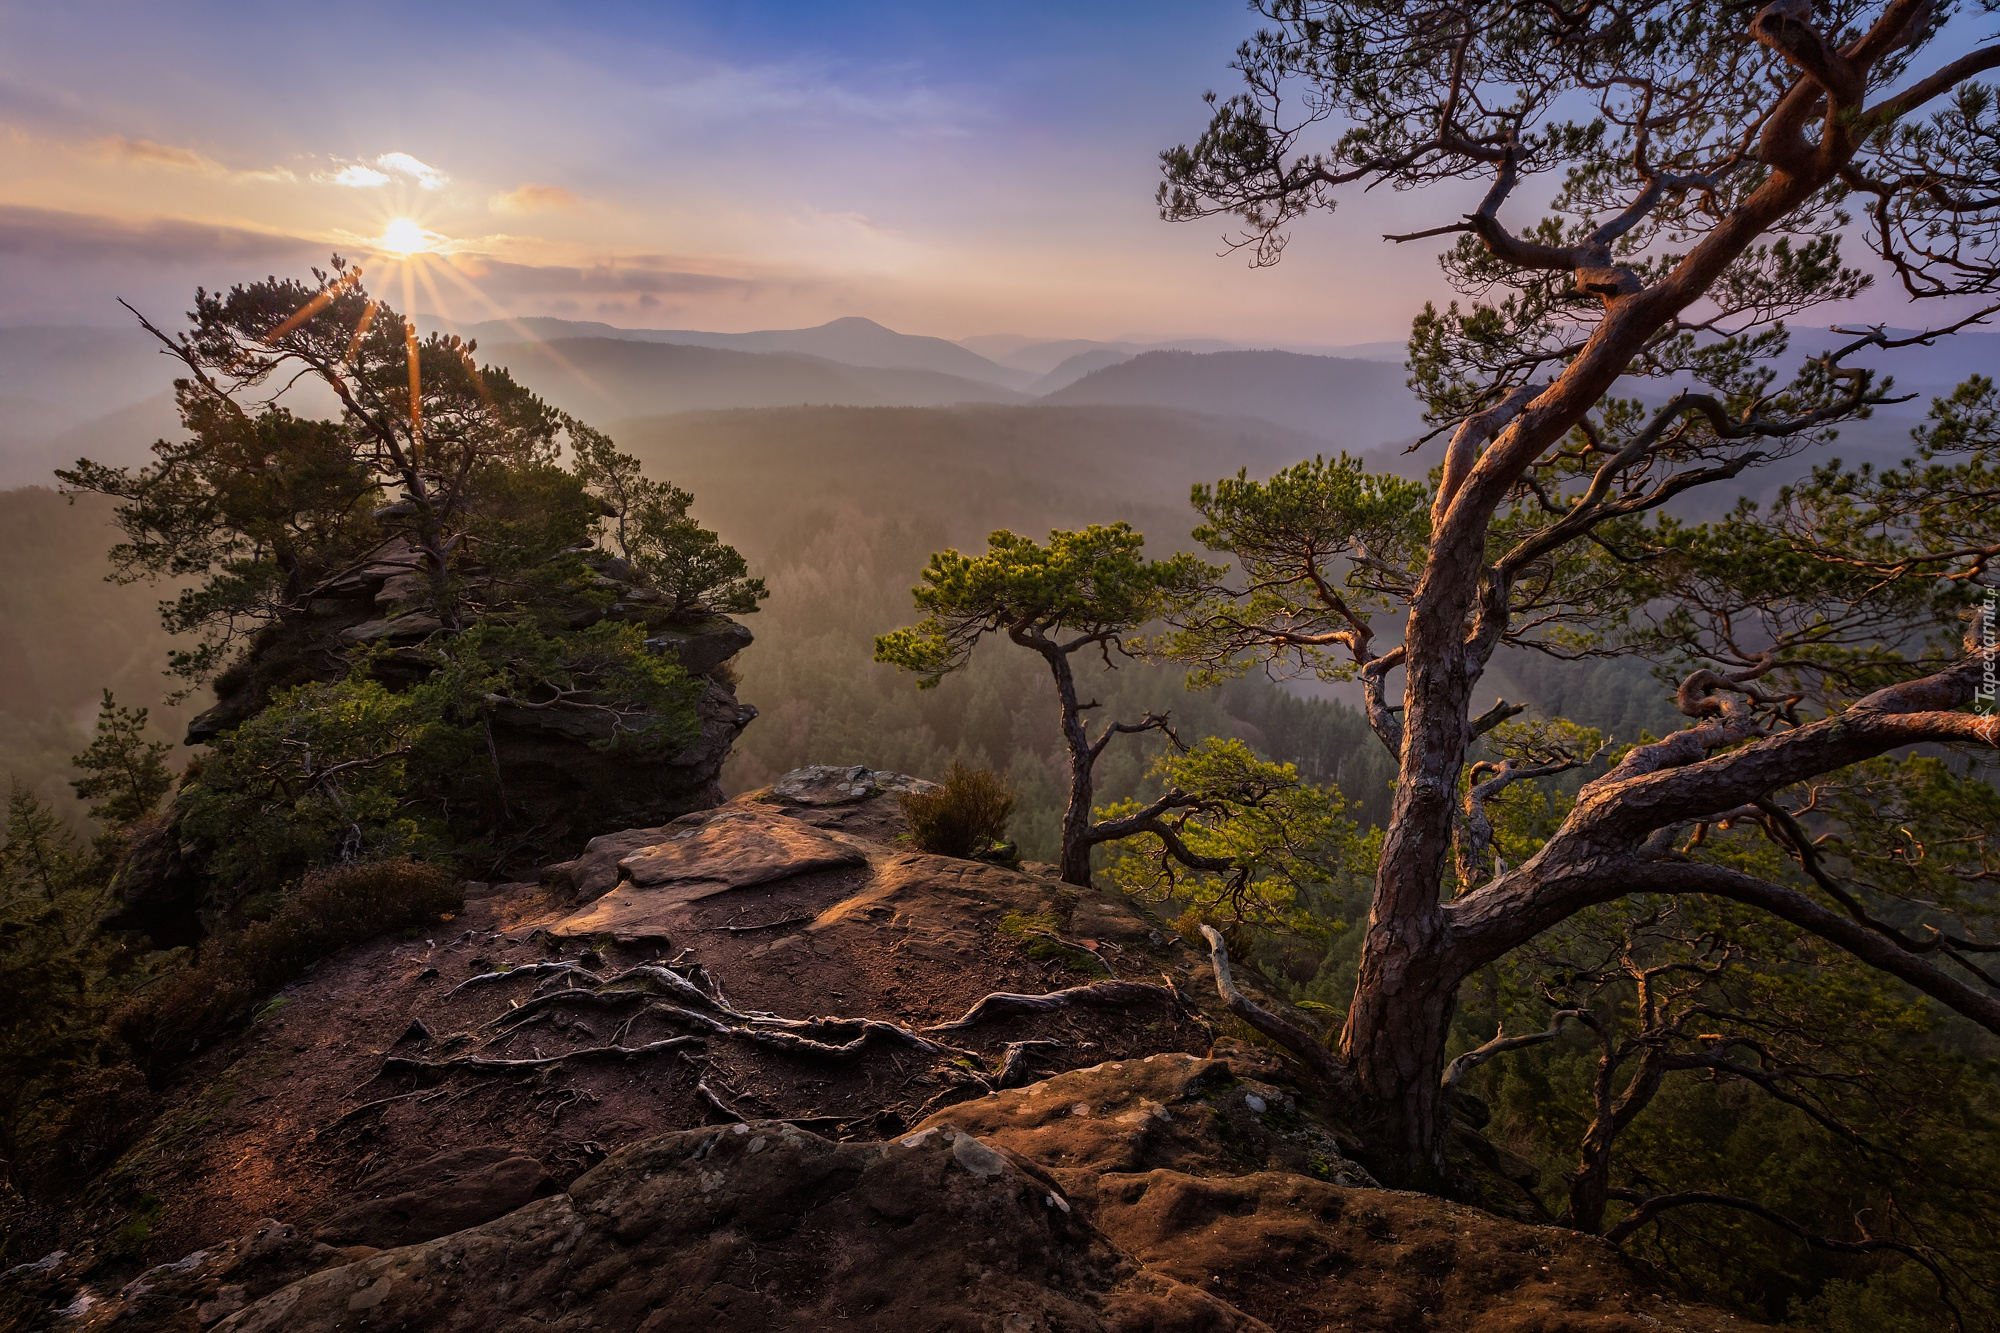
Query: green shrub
(331,910)
(966,815)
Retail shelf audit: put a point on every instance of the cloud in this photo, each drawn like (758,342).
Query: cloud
(532,198)
(56,237)
(147,153)
(426,176)
(362,176)
(354,176)
(632,277)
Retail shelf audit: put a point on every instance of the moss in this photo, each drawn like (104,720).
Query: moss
(132,1235)
(1036,934)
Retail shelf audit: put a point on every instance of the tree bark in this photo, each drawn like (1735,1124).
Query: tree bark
(1074,864)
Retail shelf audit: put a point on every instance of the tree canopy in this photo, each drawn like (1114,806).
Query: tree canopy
(1698,174)
(494,517)
(1093,589)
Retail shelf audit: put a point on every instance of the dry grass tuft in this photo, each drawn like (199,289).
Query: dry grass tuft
(966,816)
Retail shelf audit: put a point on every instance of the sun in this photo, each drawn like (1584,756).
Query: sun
(406,237)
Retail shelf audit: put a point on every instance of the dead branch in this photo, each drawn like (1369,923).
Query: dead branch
(1286,1033)
(1501,1044)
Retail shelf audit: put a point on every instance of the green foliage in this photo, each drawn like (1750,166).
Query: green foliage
(1319,547)
(330,911)
(127,774)
(351,770)
(60,977)
(1290,845)
(965,816)
(691,566)
(320,775)
(259,510)
(1092,584)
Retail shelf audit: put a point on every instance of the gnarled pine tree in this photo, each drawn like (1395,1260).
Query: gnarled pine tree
(1698,160)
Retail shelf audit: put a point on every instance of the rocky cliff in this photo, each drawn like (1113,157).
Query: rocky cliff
(763,1067)
(559,783)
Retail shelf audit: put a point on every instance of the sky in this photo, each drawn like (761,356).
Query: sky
(953,167)
(945,168)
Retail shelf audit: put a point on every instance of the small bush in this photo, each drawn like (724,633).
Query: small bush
(331,910)
(965,816)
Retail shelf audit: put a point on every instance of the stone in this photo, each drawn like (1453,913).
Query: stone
(445,1193)
(763,1226)
(410,627)
(701,645)
(822,785)
(735,849)
(1188,1112)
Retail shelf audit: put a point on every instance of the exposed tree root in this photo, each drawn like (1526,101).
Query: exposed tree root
(1014,1064)
(1096,995)
(714,1102)
(671,994)
(477,1064)
(525,970)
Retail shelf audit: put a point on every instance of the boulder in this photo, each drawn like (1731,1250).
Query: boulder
(823,785)
(734,849)
(455,1189)
(763,1226)
(1189,1112)
(702,644)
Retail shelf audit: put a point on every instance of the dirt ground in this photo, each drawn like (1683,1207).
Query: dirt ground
(287,1120)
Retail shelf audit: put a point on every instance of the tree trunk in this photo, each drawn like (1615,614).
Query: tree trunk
(1407,988)
(1394,1045)
(1074,862)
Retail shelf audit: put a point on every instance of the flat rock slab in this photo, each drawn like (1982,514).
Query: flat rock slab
(733,850)
(824,785)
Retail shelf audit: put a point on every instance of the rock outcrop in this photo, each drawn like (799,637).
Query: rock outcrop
(551,770)
(561,787)
(764,1068)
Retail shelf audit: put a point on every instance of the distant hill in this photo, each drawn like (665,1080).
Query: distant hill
(602,378)
(851,341)
(1352,404)
(970,468)
(1043,357)
(1076,367)
(60,379)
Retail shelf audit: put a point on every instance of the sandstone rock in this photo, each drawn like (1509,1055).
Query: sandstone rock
(449,1192)
(595,873)
(701,645)
(200,1288)
(1192,1113)
(735,849)
(762,1226)
(410,627)
(821,785)
(562,786)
